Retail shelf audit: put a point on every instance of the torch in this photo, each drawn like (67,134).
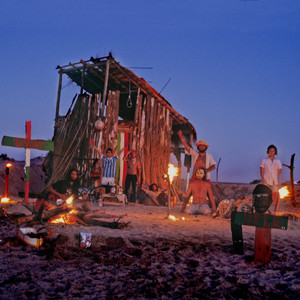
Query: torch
(172,172)
(8,166)
(167,179)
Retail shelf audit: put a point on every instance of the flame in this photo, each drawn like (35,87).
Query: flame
(172,172)
(8,165)
(284,192)
(4,200)
(173,218)
(190,201)
(58,220)
(70,200)
(65,218)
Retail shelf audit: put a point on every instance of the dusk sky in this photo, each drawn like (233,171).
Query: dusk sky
(233,68)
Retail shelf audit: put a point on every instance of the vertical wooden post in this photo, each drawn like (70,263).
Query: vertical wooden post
(82,81)
(217,173)
(262,245)
(6,180)
(105,88)
(237,235)
(27,161)
(292,181)
(58,95)
(291,167)
(178,185)
(187,178)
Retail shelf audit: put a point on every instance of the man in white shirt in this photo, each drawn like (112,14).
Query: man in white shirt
(201,159)
(270,171)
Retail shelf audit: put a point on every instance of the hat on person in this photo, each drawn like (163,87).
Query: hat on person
(202,142)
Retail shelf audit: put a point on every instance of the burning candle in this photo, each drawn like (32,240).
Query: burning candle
(8,166)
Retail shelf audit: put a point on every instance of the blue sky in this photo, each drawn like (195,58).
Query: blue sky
(234,68)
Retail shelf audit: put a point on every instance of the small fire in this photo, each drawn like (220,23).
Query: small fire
(4,200)
(284,192)
(65,218)
(190,201)
(172,172)
(173,218)
(70,200)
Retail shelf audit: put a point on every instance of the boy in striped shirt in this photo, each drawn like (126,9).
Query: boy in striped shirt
(109,166)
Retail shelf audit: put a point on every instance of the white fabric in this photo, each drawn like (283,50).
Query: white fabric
(271,169)
(209,160)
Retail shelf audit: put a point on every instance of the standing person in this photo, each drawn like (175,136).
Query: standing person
(201,159)
(96,172)
(199,189)
(270,172)
(109,166)
(133,173)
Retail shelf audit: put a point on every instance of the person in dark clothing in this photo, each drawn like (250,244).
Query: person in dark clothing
(63,189)
(133,174)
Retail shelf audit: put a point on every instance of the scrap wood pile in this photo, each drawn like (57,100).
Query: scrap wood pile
(24,213)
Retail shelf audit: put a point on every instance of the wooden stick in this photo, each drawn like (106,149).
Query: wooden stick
(291,167)
(105,88)
(217,172)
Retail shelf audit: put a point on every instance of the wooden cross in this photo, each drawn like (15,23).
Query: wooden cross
(27,143)
(263,223)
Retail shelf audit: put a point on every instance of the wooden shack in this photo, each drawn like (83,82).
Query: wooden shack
(133,112)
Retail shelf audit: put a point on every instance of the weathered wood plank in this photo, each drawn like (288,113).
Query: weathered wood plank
(237,236)
(262,245)
(27,143)
(260,220)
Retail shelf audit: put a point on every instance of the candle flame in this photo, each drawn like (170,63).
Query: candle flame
(284,192)
(172,172)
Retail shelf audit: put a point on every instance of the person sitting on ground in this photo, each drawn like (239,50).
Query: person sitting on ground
(152,195)
(153,187)
(62,189)
(109,166)
(199,189)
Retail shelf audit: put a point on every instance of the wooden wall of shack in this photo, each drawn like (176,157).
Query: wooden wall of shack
(150,135)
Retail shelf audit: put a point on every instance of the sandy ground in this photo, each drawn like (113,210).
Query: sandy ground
(153,258)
